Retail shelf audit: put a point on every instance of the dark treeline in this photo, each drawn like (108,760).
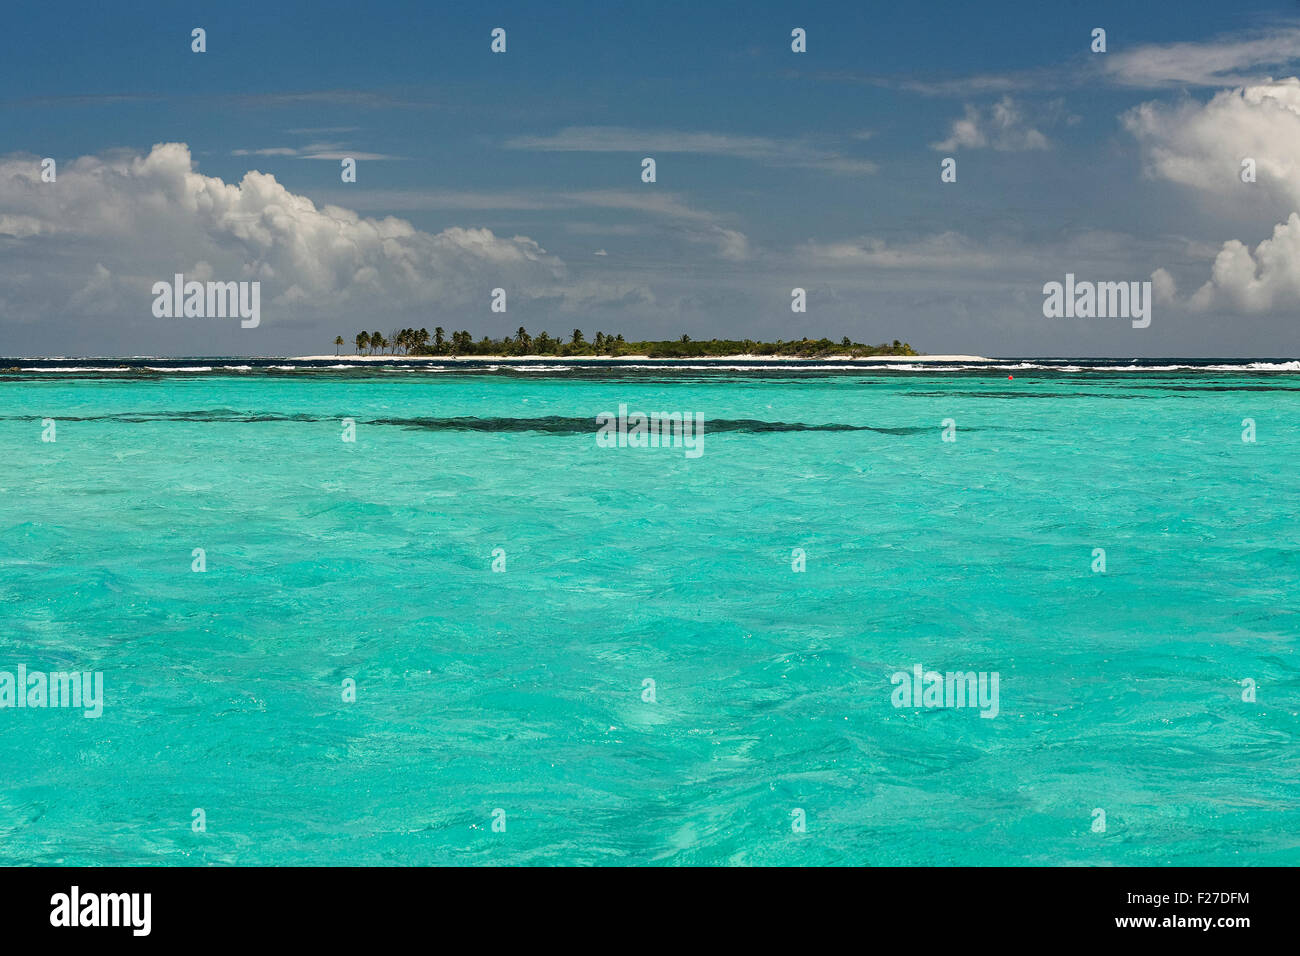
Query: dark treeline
(420,342)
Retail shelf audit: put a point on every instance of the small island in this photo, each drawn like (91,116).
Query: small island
(418,342)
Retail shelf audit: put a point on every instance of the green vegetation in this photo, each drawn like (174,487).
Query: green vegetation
(419,342)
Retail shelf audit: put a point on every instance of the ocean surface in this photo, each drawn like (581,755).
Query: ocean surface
(505,716)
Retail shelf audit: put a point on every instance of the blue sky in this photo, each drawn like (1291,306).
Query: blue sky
(775,169)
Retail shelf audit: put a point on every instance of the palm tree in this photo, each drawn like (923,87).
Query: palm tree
(376,342)
(577,337)
(338,343)
(362,341)
(438,339)
(524,340)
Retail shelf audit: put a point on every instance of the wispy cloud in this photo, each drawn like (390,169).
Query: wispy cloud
(336,155)
(365,99)
(271,151)
(618,139)
(664,205)
(931,85)
(334,151)
(667,213)
(667,205)
(82,99)
(1226,61)
(993,257)
(360,98)
(416,200)
(1230,60)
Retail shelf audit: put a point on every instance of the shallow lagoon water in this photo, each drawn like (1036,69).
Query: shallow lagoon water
(522,690)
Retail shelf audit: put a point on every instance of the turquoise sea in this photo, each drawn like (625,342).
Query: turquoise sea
(524,690)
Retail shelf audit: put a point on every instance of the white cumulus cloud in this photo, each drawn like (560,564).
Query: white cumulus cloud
(1001,127)
(1262,281)
(95,240)
(1203,146)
